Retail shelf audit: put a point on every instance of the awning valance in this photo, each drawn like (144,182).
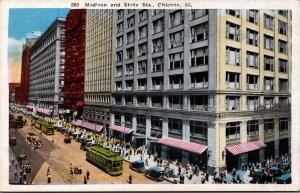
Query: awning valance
(29,106)
(44,111)
(245,147)
(91,126)
(76,122)
(121,129)
(185,145)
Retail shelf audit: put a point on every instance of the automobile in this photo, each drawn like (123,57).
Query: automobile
(25,166)
(274,171)
(67,139)
(284,179)
(286,166)
(12,141)
(62,129)
(258,177)
(138,166)
(86,142)
(22,156)
(76,134)
(155,173)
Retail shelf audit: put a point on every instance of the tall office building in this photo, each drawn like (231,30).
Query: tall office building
(75,60)
(99,61)
(47,69)
(24,87)
(208,87)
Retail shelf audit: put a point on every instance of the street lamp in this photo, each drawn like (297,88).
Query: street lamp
(223,154)
(209,152)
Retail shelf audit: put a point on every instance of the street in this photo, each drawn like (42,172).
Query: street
(58,156)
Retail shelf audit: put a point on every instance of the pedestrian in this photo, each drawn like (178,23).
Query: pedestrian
(130,179)
(206,175)
(87,174)
(16,165)
(146,162)
(71,169)
(84,180)
(238,178)
(12,161)
(49,178)
(48,171)
(202,180)
(79,170)
(16,175)
(179,170)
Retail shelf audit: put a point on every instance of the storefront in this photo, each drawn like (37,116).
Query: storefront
(182,151)
(270,150)
(283,146)
(121,133)
(243,153)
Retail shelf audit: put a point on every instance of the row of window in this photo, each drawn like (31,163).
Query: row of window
(198,129)
(199,80)
(233,81)
(198,33)
(253,16)
(176,17)
(203,102)
(233,128)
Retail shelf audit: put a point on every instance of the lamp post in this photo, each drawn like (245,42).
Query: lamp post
(209,152)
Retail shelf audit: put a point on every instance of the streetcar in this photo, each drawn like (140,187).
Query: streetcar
(44,127)
(107,160)
(16,123)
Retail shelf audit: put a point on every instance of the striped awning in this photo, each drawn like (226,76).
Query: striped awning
(121,129)
(245,147)
(76,122)
(185,145)
(44,111)
(91,126)
(61,111)
(29,106)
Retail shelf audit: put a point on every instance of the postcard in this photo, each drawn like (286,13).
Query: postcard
(149,96)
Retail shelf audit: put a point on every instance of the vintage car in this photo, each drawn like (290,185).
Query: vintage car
(22,156)
(12,141)
(138,166)
(33,140)
(25,166)
(284,179)
(67,138)
(259,177)
(155,173)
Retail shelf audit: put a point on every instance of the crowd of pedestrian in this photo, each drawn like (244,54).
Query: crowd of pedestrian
(77,170)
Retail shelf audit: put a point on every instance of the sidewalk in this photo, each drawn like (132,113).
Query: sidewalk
(13,167)
(196,179)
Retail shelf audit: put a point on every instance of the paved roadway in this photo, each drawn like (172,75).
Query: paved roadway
(58,156)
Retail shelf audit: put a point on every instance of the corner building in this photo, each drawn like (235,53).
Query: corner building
(98,67)
(208,87)
(75,61)
(47,60)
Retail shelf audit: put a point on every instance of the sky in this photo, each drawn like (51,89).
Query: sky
(26,23)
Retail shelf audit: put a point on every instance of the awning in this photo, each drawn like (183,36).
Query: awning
(61,111)
(245,147)
(185,145)
(120,129)
(76,122)
(91,126)
(44,111)
(29,106)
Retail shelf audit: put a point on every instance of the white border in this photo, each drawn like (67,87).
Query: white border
(200,4)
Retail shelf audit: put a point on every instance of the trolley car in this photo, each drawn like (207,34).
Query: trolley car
(44,127)
(109,161)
